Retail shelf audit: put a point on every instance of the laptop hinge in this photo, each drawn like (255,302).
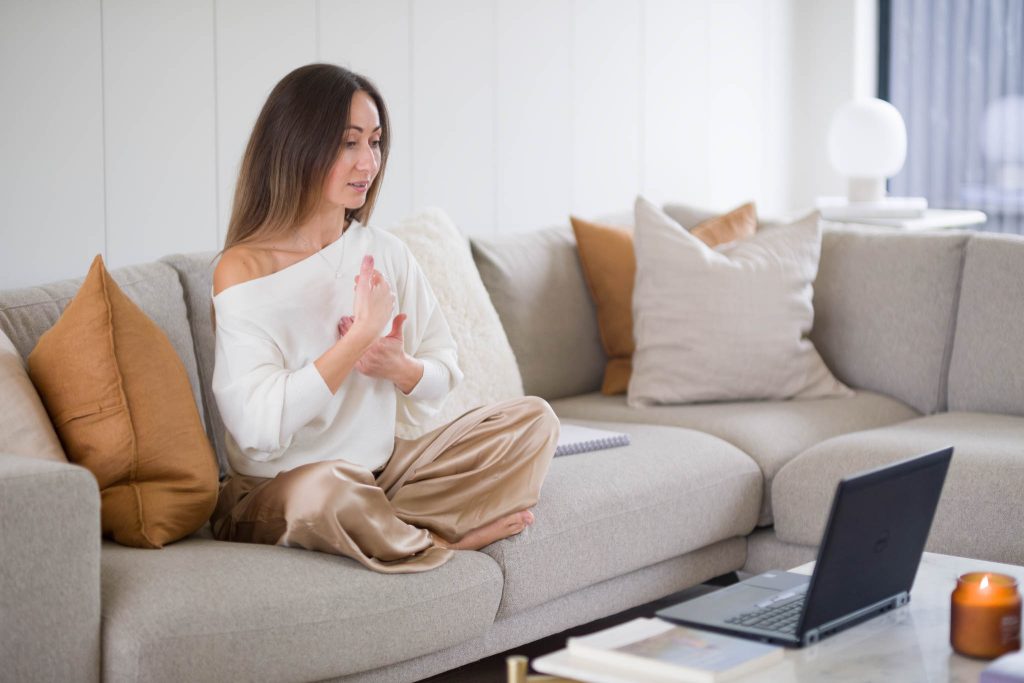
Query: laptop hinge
(813,635)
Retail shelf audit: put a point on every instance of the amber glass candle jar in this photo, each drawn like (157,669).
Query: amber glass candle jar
(985,615)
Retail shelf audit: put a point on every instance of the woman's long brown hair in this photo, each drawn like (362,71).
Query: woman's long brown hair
(295,141)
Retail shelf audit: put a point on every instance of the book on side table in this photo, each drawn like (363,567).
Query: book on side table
(656,651)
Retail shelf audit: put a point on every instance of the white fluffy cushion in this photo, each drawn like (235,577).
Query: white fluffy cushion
(726,324)
(25,428)
(485,356)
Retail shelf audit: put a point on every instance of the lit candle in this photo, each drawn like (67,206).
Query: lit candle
(985,615)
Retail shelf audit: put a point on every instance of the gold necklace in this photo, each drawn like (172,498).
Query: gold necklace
(320,252)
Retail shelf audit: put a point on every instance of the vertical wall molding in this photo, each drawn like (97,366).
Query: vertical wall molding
(103,129)
(641,102)
(216,131)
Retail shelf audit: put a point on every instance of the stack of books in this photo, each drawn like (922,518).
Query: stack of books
(657,651)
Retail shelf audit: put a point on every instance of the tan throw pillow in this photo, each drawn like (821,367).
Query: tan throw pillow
(606,254)
(727,324)
(24,427)
(121,402)
(609,267)
(738,224)
(490,372)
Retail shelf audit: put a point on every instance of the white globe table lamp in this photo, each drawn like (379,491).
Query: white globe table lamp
(867,143)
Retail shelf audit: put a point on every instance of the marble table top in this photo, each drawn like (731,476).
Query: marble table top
(908,644)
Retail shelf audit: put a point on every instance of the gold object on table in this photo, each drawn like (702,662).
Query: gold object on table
(517,667)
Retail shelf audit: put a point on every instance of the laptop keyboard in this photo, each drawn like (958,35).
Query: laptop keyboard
(781,617)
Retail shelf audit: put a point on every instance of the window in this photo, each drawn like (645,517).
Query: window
(955,71)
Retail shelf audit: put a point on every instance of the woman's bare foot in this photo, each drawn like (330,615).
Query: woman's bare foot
(509,525)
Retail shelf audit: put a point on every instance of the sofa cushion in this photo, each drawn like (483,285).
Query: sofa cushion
(26,313)
(986,372)
(537,286)
(195,272)
(770,432)
(979,515)
(605,513)
(205,610)
(120,399)
(884,305)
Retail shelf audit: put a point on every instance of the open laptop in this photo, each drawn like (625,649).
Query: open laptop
(866,563)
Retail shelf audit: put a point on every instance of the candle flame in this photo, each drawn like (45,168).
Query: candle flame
(984,582)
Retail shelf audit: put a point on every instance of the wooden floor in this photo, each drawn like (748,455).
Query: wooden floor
(492,669)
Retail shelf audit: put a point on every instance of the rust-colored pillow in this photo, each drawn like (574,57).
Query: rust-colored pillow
(738,224)
(609,267)
(121,402)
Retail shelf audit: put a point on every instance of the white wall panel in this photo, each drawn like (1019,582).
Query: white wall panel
(534,129)
(677,56)
(607,106)
(258,43)
(506,113)
(51,140)
(736,103)
(160,128)
(454,110)
(373,38)
(776,164)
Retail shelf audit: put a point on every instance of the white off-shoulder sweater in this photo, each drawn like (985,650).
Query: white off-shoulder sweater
(276,406)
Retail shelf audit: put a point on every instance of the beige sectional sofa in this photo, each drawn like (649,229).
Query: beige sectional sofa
(929,328)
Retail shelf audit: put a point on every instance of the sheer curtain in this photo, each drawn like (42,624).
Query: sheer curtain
(955,70)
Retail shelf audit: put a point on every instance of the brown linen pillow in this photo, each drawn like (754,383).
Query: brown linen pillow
(120,399)
(606,253)
(609,267)
(738,224)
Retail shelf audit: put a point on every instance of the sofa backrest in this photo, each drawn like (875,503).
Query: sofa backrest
(536,284)
(195,272)
(25,314)
(884,309)
(986,372)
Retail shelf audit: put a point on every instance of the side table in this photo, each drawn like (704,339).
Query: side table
(933,219)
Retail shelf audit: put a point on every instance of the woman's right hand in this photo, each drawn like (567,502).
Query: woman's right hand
(374,302)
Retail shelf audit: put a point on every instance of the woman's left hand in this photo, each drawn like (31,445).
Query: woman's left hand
(386,358)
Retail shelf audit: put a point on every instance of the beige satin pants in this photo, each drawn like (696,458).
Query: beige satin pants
(488,463)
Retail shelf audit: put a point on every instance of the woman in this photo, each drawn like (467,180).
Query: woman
(311,375)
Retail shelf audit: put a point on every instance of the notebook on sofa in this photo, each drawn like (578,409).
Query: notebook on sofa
(578,439)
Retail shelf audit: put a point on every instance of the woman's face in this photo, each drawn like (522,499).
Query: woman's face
(355,168)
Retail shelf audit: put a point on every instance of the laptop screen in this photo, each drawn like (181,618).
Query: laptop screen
(874,538)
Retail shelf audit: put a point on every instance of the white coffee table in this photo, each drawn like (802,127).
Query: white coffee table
(908,644)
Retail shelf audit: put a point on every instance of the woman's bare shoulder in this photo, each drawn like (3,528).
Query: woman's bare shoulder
(239,264)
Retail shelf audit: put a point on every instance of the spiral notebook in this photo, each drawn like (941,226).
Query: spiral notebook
(576,439)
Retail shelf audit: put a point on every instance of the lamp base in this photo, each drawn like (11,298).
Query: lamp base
(841,209)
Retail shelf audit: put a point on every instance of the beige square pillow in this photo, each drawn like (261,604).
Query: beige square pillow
(609,266)
(485,356)
(25,428)
(727,324)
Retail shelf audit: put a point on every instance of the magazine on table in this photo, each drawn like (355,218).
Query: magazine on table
(655,650)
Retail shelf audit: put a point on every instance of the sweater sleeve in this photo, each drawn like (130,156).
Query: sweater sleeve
(263,404)
(429,340)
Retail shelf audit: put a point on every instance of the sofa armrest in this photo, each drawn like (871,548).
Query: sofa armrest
(49,571)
